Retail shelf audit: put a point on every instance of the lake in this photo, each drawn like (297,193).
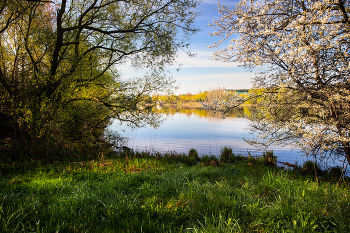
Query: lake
(187,128)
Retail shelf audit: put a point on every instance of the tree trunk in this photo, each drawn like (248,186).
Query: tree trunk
(347,152)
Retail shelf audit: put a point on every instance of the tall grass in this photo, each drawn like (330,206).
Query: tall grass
(162,194)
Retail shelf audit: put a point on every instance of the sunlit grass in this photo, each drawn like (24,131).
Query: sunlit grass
(153,194)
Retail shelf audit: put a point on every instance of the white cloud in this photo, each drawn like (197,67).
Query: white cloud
(192,78)
(224,77)
(203,59)
(194,83)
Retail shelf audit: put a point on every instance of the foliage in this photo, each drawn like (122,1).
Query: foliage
(226,154)
(209,160)
(310,168)
(223,101)
(268,158)
(194,154)
(303,89)
(59,63)
(335,172)
(184,98)
(205,97)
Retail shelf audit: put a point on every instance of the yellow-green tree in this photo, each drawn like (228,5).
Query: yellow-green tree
(59,62)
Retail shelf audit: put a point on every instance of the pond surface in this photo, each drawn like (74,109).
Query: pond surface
(202,130)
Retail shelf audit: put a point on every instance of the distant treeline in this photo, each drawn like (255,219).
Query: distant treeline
(189,97)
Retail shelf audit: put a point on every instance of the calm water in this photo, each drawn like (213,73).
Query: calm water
(206,132)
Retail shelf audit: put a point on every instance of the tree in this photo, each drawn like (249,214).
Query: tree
(223,101)
(302,48)
(59,61)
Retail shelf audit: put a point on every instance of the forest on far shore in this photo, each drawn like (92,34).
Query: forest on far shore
(189,97)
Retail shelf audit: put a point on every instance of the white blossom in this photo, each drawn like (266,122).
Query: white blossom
(304,93)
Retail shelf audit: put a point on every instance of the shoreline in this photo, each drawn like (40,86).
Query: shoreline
(193,105)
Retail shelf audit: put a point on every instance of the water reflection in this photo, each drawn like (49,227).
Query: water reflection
(202,113)
(207,132)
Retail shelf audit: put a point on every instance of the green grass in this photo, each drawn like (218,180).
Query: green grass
(162,194)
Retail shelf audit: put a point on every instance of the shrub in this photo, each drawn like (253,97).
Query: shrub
(226,155)
(268,158)
(207,160)
(310,168)
(334,172)
(188,160)
(193,154)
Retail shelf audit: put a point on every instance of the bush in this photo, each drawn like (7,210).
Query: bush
(268,158)
(193,154)
(174,157)
(207,160)
(188,160)
(310,168)
(334,172)
(226,155)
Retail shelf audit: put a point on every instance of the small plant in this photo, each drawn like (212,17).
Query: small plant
(335,172)
(226,155)
(188,160)
(129,153)
(251,159)
(207,160)
(193,154)
(310,168)
(268,158)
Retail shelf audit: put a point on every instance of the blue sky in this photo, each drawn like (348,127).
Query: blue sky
(201,73)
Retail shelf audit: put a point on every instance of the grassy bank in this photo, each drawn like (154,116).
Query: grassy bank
(172,193)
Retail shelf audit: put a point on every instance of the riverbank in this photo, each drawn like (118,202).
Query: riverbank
(143,192)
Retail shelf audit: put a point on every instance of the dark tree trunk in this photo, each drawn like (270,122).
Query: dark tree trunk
(347,152)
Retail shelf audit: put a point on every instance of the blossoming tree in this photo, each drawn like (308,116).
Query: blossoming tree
(302,48)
